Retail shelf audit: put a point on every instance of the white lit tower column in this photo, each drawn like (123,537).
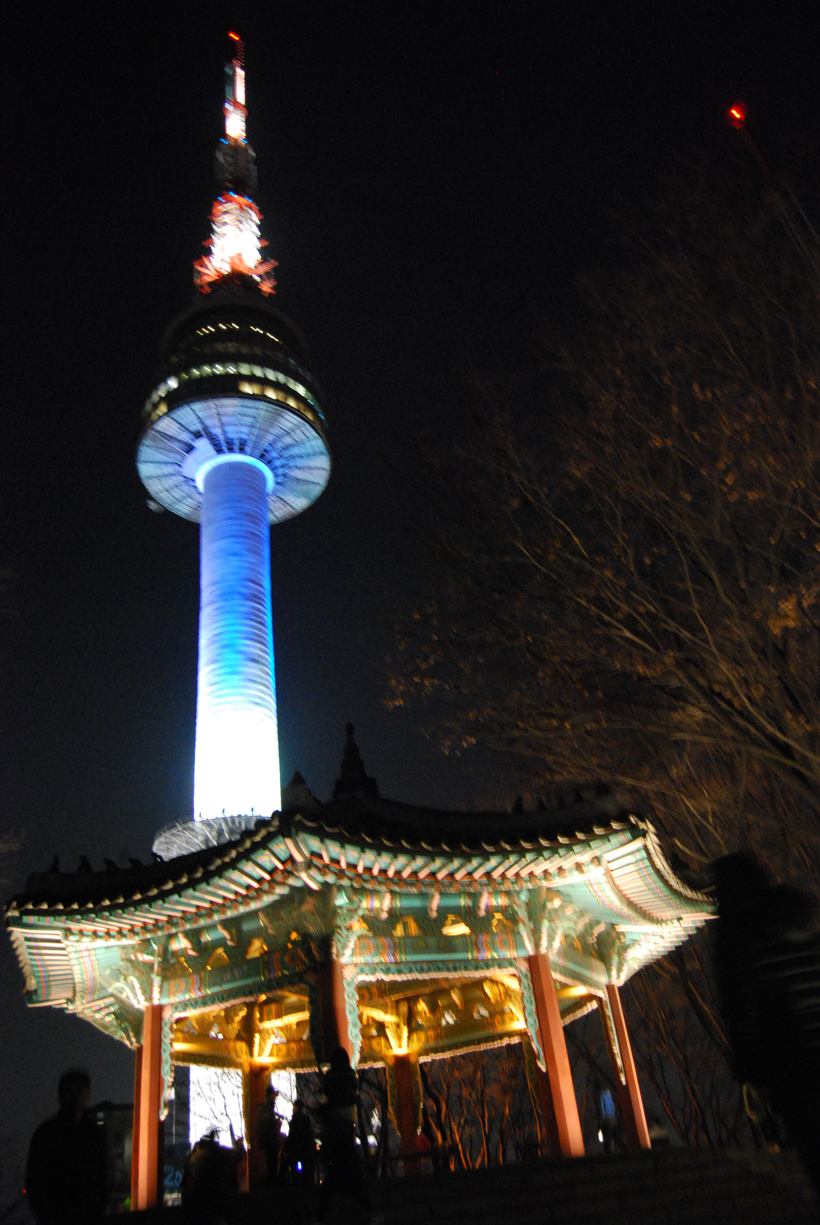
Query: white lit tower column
(234,439)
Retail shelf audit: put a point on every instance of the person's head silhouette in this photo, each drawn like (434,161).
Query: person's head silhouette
(73,1092)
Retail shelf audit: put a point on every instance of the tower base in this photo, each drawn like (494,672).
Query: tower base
(184,837)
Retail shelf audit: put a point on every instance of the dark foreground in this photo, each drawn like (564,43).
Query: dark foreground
(663,1187)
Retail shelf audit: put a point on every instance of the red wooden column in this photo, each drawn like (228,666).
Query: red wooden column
(411,1158)
(258,1080)
(554,1047)
(333,1017)
(135,1127)
(145,1157)
(551,1140)
(629,1094)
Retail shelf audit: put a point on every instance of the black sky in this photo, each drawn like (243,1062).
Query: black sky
(432,179)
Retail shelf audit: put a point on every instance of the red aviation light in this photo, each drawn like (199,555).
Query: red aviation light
(737,115)
(239,56)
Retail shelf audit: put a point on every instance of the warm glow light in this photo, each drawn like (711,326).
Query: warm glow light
(235,241)
(565,993)
(234,122)
(290,1018)
(509,980)
(235,37)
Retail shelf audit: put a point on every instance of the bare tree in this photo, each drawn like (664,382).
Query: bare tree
(216,1101)
(627,587)
(691,1075)
(480,1108)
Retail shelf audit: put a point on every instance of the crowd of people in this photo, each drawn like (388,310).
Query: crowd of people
(65,1171)
(211,1181)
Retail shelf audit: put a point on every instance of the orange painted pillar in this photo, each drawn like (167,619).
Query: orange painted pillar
(333,1016)
(258,1080)
(629,1094)
(145,1161)
(554,1046)
(411,1158)
(135,1127)
(551,1140)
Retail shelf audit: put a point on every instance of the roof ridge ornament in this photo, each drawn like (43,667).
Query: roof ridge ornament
(353,778)
(297,795)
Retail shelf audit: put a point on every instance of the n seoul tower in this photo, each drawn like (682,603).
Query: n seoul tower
(234,439)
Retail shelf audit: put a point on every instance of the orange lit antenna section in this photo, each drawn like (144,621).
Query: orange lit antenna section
(235,110)
(235,243)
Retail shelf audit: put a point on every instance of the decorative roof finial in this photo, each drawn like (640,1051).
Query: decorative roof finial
(353,778)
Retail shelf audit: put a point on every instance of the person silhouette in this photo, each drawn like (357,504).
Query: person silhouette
(301,1145)
(65,1170)
(210,1183)
(269,1135)
(768,960)
(340,1157)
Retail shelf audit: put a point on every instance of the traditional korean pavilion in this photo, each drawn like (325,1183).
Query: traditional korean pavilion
(403,933)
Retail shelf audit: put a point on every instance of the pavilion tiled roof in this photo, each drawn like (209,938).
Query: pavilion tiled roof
(593,859)
(310,842)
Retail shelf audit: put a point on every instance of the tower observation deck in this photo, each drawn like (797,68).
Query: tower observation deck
(234,439)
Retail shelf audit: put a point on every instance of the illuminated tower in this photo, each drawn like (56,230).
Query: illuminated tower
(234,439)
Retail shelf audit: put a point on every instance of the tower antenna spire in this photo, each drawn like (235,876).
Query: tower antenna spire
(235,242)
(235,108)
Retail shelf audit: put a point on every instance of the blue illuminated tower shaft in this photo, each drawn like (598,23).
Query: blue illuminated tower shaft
(234,439)
(237,756)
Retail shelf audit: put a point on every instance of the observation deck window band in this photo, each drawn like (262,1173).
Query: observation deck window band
(233,457)
(250,370)
(223,327)
(283,358)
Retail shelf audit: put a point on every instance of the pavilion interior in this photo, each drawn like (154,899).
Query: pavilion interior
(397,1016)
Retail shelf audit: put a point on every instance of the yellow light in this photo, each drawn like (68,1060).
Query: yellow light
(290,1018)
(234,125)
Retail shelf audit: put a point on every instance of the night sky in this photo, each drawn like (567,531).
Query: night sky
(433,179)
